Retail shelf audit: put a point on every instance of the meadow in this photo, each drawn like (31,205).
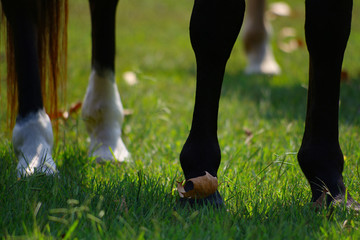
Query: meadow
(261,122)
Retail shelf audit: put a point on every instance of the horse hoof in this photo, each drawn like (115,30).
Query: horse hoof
(268,67)
(262,61)
(32,142)
(103,154)
(215,200)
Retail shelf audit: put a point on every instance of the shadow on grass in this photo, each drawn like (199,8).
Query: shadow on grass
(276,101)
(272,101)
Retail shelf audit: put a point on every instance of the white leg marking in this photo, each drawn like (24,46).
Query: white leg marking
(33,140)
(256,38)
(261,61)
(103,115)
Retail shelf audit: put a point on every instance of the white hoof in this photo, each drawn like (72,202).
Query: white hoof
(261,61)
(103,115)
(256,38)
(33,140)
(102,151)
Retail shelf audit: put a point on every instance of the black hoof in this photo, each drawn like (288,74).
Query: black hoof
(215,200)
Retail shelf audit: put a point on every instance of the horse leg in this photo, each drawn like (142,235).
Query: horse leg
(32,135)
(214,27)
(102,109)
(256,39)
(327,29)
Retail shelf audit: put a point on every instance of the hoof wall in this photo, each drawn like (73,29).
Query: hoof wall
(215,200)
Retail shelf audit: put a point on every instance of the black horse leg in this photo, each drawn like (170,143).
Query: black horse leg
(327,29)
(214,27)
(102,109)
(21,17)
(103,34)
(32,134)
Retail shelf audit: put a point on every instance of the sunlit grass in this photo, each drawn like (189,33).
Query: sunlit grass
(264,189)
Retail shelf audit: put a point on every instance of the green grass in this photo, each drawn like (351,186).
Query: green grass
(265,192)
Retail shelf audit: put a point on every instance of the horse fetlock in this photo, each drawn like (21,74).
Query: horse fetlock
(323,169)
(32,141)
(103,116)
(199,155)
(102,98)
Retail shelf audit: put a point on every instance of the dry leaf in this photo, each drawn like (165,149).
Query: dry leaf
(300,42)
(248,132)
(58,115)
(74,108)
(203,187)
(345,76)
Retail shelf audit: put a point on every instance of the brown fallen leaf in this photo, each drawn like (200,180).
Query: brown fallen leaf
(248,132)
(203,187)
(345,76)
(300,42)
(58,115)
(75,107)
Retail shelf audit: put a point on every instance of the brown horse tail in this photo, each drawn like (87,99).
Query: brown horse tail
(52,54)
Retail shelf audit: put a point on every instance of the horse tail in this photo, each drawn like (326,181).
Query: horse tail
(52,53)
